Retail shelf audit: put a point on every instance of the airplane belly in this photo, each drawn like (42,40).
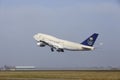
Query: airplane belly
(73,48)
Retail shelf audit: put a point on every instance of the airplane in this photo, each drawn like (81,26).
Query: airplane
(60,45)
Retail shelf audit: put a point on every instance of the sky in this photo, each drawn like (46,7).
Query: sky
(72,20)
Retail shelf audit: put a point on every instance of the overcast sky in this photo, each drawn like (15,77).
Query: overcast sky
(73,20)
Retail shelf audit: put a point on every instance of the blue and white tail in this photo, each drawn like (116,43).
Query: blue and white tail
(90,40)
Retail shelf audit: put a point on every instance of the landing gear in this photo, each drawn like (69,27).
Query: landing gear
(60,50)
(52,49)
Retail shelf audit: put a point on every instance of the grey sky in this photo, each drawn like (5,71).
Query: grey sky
(72,20)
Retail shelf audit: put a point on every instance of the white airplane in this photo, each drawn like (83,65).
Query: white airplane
(61,45)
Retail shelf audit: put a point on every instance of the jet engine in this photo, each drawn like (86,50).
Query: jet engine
(41,44)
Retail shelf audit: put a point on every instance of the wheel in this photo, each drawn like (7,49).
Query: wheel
(52,49)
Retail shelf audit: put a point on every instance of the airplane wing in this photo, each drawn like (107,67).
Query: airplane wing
(52,44)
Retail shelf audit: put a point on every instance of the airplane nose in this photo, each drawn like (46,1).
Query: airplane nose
(36,37)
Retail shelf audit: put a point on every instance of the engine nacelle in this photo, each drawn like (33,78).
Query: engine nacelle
(41,44)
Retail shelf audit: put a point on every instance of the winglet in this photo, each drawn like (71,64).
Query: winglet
(90,40)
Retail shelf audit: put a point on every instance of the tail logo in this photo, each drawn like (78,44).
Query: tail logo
(90,41)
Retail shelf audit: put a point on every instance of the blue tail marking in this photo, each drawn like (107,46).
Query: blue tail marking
(90,40)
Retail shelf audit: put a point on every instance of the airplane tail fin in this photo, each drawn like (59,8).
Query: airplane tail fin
(90,40)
